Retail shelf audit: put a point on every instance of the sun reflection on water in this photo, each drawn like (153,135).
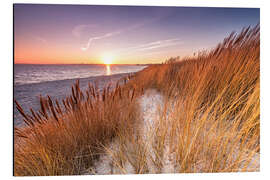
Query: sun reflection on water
(108,68)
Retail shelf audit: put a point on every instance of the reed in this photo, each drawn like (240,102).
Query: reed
(65,138)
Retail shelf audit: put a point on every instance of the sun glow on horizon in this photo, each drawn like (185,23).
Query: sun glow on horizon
(107,59)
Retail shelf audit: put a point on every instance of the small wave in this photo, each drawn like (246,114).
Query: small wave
(27,74)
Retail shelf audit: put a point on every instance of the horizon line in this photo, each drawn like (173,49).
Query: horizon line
(82,64)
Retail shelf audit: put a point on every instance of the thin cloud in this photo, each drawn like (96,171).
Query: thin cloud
(40,39)
(152,45)
(91,39)
(110,34)
(79,29)
(161,44)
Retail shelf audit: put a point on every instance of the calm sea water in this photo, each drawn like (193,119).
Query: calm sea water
(31,81)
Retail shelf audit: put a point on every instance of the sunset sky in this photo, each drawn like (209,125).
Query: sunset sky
(74,34)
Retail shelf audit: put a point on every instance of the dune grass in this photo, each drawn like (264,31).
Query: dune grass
(209,122)
(214,123)
(61,140)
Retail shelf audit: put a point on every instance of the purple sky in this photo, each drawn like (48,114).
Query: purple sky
(51,34)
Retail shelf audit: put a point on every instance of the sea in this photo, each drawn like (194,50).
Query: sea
(31,81)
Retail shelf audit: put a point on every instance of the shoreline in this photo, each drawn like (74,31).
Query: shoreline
(74,79)
(28,94)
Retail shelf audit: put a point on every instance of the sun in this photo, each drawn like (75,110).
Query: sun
(107,59)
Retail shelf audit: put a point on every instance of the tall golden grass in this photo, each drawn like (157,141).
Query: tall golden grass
(210,121)
(61,140)
(211,118)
